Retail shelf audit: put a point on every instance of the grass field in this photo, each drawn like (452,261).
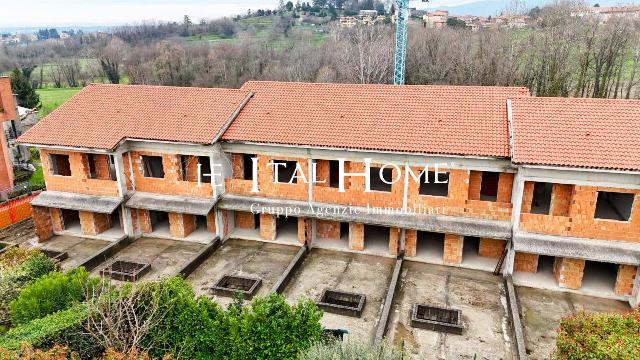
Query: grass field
(51,98)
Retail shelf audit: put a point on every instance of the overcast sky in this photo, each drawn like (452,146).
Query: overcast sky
(34,13)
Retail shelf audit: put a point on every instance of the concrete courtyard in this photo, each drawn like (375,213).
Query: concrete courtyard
(79,249)
(364,274)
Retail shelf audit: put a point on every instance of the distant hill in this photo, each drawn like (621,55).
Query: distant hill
(495,7)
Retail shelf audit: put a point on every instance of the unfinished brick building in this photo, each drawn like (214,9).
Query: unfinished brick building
(548,184)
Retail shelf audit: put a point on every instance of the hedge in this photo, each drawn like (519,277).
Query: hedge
(599,336)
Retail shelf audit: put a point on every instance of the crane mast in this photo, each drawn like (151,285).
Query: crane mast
(402,11)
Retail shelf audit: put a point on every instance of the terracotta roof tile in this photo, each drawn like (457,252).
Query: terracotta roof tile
(577,132)
(457,120)
(100,116)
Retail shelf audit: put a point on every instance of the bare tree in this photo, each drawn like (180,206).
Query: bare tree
(366,54)
(110,58)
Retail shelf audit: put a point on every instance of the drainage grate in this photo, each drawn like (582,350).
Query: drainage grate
(126,270)
(55,254)
(229,285)
(436,319)
(342,302)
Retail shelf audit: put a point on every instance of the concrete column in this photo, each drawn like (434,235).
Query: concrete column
(356,236)
(453,249)
(516,199)
(267,227)
(634,300)
(127,219)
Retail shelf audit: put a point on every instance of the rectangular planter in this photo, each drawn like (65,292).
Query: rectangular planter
(126,270)
(436,319)
(55,254)
(229,285)
(342,302)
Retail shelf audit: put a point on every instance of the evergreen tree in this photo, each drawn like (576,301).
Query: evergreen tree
(21,86)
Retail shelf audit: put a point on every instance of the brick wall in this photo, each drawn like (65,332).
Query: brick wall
(394,241)
(328,229)
(145,221)
(572,214)
(453,249)
(172,183)
(356,236)
(267,227)
(410,242)
(491,247)
(304,231)
(57,220)
(625,279)
(244,220)
(181,225)
(568,272)
(43,224)
(92,223)
(211,221)
(525,262)
(79,181)
(266,184)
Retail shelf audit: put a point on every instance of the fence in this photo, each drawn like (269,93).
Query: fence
(15,210)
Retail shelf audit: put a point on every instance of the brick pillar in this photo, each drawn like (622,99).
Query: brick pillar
(475,181)
(43,223)
(211,221)
(57,221)
(322,174)
(525,262)
(452,249)
(92,223)
(267,227)
(356,236)
(568,272)
(561,199)
(410,242)
(625,279)
(181,225)
(394,241)
(505,184)
(245,220)
(237,166)
(328,229)
(304,231)
(527,196)
(145,221)
(224,215)
(491,247)
(101,165)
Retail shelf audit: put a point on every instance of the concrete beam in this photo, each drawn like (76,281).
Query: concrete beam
(466,226)
(587,177)
(610,251)
(514,314)
(288,273)
(105,253)
(388,301)
(198,258)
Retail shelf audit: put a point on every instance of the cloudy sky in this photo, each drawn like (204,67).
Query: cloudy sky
(33,13)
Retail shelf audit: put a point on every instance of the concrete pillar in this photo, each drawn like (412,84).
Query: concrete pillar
(244,220)
(328,229)
(356,236)
(394,241)
(453,249)
(525,262)
(267,227)
(92,223)
(181,225)
(410,242)
(625,279)
(43,223)
(569,272)
(127,214)
(491,247)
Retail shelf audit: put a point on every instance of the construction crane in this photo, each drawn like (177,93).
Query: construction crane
(402,11)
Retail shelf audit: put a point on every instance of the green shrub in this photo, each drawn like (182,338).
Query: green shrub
(53,292)
(15,257)
(18,277)
(348,350)
(599,336)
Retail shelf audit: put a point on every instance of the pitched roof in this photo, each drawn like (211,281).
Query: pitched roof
(577,132)
(456,120)
(100,116)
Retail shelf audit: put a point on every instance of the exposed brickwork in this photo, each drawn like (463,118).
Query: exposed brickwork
(211,221)
(328,229)
(172,183)
(568,272)
(237,166)
(57,220)
(453,249)
(491,247)
(145,221)
(92,223)
(394,241)
(43,224)
(79,181)
(578,219)
(304,230)
(266,184)
(267,227)
(525,262)
(224,214)
(101,166)
(244,220)
(181,225)
(410,242)
(625,279)
(323,172)
(356,236)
